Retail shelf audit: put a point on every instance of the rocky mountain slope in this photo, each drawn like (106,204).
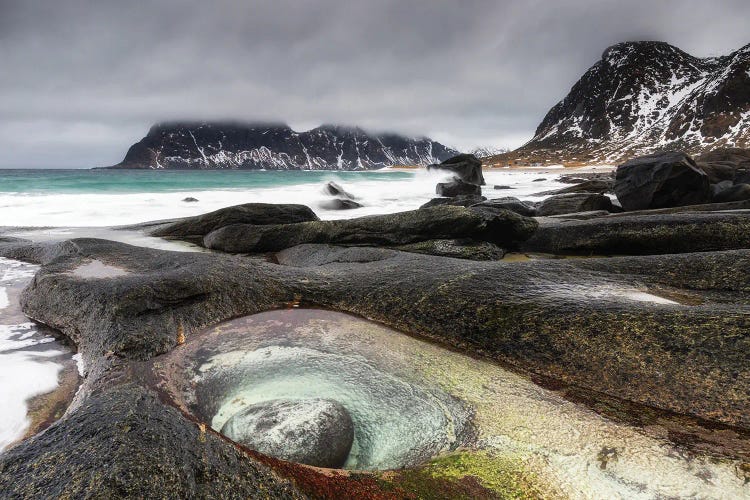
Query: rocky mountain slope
(276,147)
(644,97)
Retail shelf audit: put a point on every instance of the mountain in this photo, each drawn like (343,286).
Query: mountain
(644,97)
(276,147)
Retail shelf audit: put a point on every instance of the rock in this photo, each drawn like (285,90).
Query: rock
(581,177)
(507,203)
(731,164)
(661,180)
(193,229)
(465,167)
(599,186)
(123,442)
(317,432)
(567,320)
(572,203)
(501,227)
(339,204)
(459,249)
(342,200)
(627,234)
(308,255)
(457,188)
(541,179)
(582,215)
(463,200)
(333,189)
(503,187)
(737,192)
(190,199)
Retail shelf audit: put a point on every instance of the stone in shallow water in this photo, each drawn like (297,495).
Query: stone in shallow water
(316,432)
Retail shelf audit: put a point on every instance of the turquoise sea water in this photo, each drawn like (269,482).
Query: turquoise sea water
(78,198)
(160,181)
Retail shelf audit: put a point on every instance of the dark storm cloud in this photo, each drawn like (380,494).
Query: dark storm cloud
(81,80)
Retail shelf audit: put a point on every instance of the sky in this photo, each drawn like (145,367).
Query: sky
(81,80)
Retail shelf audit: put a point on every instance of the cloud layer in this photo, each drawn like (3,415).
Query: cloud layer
(82,80)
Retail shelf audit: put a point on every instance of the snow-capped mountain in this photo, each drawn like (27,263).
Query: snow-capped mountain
(642,97)
(276,147)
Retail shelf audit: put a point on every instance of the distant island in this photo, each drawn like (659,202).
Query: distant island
(258,146)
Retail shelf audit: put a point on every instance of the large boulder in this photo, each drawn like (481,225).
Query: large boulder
(501,227)
(317,432)
(465,167)
(572,203)
(341,198)
(661,180)
(457,187)
(193,229)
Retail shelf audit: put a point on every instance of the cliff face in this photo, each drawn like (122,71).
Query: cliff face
(276,147)
(643,97)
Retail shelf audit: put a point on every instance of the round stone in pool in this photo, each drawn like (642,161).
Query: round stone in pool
(311,431)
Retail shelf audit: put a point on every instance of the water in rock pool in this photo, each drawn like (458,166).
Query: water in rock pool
(410,401)
(38,374)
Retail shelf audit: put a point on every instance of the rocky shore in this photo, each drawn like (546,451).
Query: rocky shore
(661,325)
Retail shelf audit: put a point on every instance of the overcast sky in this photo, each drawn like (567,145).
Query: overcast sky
(82,80)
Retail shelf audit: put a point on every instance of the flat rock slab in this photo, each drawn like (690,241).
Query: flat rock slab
(668,331)
(646,234)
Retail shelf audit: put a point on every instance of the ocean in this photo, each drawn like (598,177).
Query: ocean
(84,198)
(71,203)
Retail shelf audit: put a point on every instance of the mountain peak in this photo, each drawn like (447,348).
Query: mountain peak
(643,97)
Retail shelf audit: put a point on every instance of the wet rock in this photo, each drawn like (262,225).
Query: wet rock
(124,443)
(459,249)
(315,432)
(511,203)
(320,255)
(581,177)
(661,180)
(342,200)
(582,321)
(465,167)
(193,229)
(732,164)
(333,189)
(339,204)
(504,228)
(599,186)
(572,203)
(736,192)
(457,188)
(643,234)
(190,199)
(458,201)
